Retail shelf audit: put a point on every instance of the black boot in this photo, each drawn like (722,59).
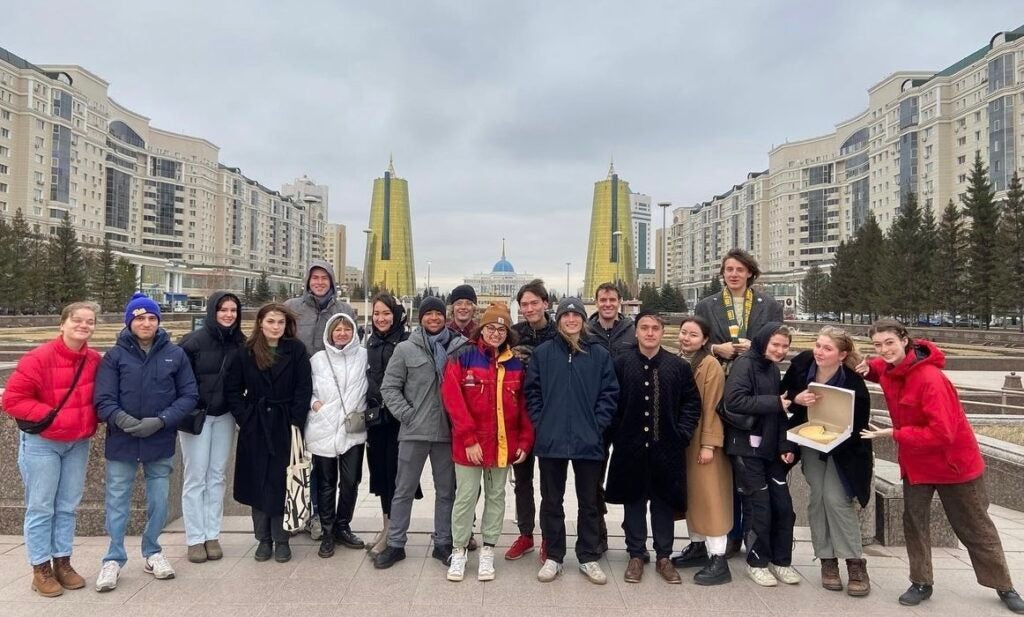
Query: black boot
(715,573)
(389,557)
(282,552)
(1012,601)
(264,551)
(326,546)
(345,537)
(694,555)
(915,594)
(442,553)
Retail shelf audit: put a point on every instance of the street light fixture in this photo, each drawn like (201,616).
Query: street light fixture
(664,205)
(428,278)
(567,264)
(366,283)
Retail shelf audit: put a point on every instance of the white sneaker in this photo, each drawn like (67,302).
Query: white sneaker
(762,576)
(593,573)
(785,574)
(549,571)
(107,580)
(457,568)
(158,566)
(485,571)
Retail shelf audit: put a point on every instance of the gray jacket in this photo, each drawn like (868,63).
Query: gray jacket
(411,389)
(311,319)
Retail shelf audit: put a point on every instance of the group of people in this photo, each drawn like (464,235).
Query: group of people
(699,435)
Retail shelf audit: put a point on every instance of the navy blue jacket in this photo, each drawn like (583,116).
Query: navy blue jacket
(155,385)
(571,398)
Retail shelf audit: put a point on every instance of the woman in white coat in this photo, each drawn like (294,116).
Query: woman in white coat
(335,430)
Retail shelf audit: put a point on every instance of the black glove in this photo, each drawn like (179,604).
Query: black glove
(124,421)
(145,427)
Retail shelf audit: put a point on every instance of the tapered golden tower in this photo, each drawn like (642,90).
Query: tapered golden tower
(389,263)
(610,252)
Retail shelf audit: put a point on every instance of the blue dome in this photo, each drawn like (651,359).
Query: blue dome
(503,266)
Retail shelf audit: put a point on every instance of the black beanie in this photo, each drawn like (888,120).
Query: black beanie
(431,304)
(462,292)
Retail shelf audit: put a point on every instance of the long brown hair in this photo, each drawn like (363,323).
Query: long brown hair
(257,343)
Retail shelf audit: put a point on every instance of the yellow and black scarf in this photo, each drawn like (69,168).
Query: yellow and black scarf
(730,311)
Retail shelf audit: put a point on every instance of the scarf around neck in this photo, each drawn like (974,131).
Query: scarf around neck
(439,344)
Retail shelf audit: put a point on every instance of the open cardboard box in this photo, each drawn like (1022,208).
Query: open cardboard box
(834,411)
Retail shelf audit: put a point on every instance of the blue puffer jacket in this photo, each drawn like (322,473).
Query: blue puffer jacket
(155,385)
(571,398)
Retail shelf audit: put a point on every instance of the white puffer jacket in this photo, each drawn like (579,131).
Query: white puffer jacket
(325,429)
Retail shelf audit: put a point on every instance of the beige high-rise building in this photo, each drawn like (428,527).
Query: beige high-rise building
(315,196)
(188,223)
(334,250)
(919,133)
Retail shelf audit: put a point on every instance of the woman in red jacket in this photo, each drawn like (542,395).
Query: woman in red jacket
(482,391)
(56,375)
(937,452)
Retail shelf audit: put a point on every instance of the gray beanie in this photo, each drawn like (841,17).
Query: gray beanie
(430,303)
(571,305)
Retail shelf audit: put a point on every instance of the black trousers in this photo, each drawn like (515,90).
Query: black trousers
(768,516)
(267,528)
(634,523)
(587,475)
(526,508)
(339,479)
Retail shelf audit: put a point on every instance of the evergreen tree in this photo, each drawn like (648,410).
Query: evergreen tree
(1010,250)
(715,285)
(262,293)
(866,269)
(103,277)
(650,298)
(837,295)
(814,291)
(950,262)
(983,281)
(247,293)
(927,251)
(6,267)
(901,285)
(282,292)
(20,262)
(124,284)
(671,299)
(67,266)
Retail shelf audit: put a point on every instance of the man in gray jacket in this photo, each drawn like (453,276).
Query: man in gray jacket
(411,389)
(316,305)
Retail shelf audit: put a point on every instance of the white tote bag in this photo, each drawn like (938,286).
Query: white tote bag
(296,497)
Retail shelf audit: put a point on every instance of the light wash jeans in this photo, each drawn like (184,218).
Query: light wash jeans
(120,479)
(206,460)
(54,477)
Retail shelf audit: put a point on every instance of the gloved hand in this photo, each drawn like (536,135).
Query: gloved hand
(145,427)
(124,421)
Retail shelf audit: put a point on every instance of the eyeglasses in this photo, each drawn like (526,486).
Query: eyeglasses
(492,329)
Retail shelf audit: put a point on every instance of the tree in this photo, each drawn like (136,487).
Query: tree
(67,266)
(22,252)
(282,292)
(1010,249)
(262,294)
(837,296)
(983,281)
(950,262)
(247,290)
(862,276)
(125,285)
(813,291)
(6,267)
(672,299)
(927,252)
(650,298)
(103,277)
(901,286)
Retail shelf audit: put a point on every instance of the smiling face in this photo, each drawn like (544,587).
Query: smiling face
(341,335)
(607,305)
(827,354)
(691,339)
(778,346)
(533,308)
(648,334)
(272,327)
(432,321)
(383,318)
(494,335)
(462,311)
(144,327)
(319,282)
(890,346)
(735,275)
(571,324)
(78,328)
(227,313)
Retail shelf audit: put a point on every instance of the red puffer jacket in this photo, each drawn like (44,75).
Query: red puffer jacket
(500,425)
(935,442)
(41,381)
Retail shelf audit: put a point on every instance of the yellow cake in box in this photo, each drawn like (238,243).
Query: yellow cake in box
(818,433)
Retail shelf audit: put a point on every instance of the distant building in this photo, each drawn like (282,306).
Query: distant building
(610,250)
(334,249)
(306,190)
(501,283)
(640,213)
(389,257)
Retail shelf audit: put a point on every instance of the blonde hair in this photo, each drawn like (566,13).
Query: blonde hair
(845,343)
(70,309)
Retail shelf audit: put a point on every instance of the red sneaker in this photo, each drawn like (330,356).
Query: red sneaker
(522,546)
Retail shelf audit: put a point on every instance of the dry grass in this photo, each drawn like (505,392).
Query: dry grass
(1011,434)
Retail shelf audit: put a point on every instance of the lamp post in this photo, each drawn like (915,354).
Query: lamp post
(664,205)
(366,283)
(428,277)
(567,264)
(616,236)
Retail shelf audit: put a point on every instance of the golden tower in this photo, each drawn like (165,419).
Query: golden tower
(389,263)
(610,252)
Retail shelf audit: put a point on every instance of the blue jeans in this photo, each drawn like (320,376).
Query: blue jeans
(54,477)
(206,459)
(120,479)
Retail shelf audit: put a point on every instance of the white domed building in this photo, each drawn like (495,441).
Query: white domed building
(501,283)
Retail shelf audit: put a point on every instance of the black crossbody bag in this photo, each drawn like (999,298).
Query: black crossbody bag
(34,428)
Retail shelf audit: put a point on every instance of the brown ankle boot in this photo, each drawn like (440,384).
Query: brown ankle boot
(830,575)
(860,584)
(43,581)
(66,575)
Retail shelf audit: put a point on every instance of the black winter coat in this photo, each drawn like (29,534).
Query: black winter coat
(265,405)
(753,388)
(621,338)
(378,352)
(854,456)
(210,351)
(659,407)
(529,338)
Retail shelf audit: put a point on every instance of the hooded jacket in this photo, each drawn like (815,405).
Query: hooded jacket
(935,442)
(325,429)
(620,338)
(571,398)
(158,384)
(311,317)
(379,349)
(40,382)
(210,351)
(483,393)
(411,389)
(753,388)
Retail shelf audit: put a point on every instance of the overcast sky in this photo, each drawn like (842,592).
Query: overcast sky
(501,115)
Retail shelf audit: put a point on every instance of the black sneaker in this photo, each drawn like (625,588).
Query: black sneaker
(1012,601)
(326,546)
(388,557)
(282,552)
(915,594)
(715,573)
(264,550)
(694,555)
(442,553)
(346,538)
(733,547)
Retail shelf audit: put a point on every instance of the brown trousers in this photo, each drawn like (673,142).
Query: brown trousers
(966,507)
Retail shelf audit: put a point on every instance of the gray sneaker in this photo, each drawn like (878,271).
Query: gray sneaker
(593,572)
(316,531)
(107,580)
(549,571)
(157,565)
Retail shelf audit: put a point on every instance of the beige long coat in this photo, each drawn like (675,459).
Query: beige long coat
(709,487)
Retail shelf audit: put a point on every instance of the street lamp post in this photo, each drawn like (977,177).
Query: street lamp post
(366,283)
(664,205)
(616,237)
(428,277)
(567,264)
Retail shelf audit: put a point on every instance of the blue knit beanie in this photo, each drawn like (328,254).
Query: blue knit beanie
(140,304)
